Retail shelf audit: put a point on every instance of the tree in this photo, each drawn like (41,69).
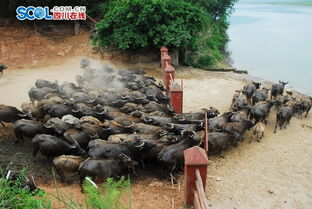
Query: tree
(134,24)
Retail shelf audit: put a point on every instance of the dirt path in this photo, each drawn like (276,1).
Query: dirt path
(275,173)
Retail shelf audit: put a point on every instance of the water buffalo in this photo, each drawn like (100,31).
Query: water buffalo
(100,169)
(38,94)
(283,117)
(217,122)
(194,117)
(72,120)
(303,106)
(239,101)
(278,89)
(31,108)
(237,127)
(250,89)
(241,114)
(59,110)
(90,119)
(96,130)
(29,129)
(178,128)
(81,97)
(130,107)
(154,106)
(157,120)
(2,67)
(111,150)
(260,95)
(52,146)
(68,89)
(261,110)
(58,126)
(172,156)
(41,83)
(145,128)
(73,136)
(66,164)
(219,141)
(10,114)
(96,142)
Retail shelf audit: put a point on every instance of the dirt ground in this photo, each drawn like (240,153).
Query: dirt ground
(275,173)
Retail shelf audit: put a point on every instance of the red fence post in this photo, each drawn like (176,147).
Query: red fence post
(176,97)
(163,50)
(165,60)
(168,77)
(195,158)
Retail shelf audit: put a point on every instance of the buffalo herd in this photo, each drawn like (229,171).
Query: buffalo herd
(104,132)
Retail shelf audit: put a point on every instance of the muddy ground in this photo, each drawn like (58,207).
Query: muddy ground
(275,173)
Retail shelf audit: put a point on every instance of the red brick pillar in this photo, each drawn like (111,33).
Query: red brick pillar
(165,60)
(176,97)
(168,77)
(195,158)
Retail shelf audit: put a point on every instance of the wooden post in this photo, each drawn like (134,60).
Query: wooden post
(168,77)
(195,158)
(176,97)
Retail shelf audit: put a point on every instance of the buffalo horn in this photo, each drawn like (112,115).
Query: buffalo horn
(90,101)
(141,145)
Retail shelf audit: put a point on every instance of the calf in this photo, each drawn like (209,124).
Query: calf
(66,164)
(258,131)
(52,146)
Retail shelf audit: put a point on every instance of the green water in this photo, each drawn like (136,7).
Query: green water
(289,2)
(273,42)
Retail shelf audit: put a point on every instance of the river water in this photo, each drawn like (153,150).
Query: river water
(273,42)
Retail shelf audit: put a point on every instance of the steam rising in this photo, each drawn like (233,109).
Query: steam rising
(99,75)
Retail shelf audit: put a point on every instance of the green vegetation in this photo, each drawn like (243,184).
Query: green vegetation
(14,195)
(196,28)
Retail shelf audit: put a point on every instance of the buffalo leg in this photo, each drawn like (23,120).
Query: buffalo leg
(35,151)
(307,112)
(2,124)
(276,125)
(173,179)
